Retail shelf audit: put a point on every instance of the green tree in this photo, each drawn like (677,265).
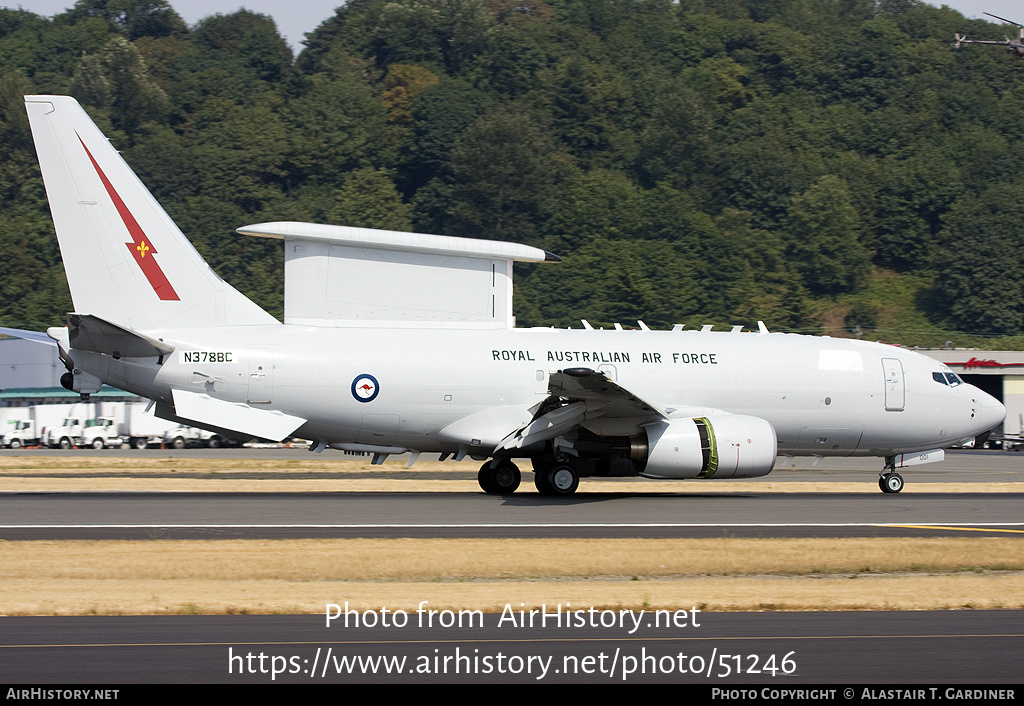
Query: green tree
(117,79)
(823,231)
(585,104)
(610,281)
(448,32)
(676,145)
(239,154)
(133,18)
(979,285)
(337,125)
(440,115)
(597,204)
(506,169)
(368,199)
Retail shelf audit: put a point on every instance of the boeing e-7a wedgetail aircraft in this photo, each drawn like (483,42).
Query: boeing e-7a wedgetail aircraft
(401,342)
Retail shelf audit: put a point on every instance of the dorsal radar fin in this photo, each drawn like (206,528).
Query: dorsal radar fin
(345,276)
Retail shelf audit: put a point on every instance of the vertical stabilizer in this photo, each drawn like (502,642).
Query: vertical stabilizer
(125,259)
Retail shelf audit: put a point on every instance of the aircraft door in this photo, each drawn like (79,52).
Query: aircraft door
(895,390)
(261,376)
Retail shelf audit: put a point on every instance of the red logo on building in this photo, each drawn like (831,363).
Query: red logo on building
(986,363)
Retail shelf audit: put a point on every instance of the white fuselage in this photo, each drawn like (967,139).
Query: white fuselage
(823,396)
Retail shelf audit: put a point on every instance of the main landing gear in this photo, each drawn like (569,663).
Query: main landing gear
(501,478)
(553,478)
(558,478)
(890,481)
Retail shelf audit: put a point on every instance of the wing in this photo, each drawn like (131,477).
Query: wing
(585,398)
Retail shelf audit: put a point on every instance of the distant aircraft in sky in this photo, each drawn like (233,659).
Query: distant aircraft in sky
(1014,46)
(402,342)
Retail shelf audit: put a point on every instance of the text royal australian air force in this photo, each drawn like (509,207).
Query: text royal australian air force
(611,356)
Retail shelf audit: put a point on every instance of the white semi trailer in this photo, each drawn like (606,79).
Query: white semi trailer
(140,428)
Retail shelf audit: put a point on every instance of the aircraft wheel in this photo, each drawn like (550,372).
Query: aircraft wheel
(562,479)
(502,479)
(891,483)
(540,480)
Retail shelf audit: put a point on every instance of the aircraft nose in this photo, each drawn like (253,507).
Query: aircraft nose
(992,411)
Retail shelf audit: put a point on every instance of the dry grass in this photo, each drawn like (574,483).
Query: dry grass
(265,576)
(498,559)
(301,576)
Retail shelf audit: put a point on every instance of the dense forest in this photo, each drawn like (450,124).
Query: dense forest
(828,166)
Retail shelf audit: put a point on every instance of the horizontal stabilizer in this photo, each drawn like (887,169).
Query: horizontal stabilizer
(236,416)
(91,333)
(36,336)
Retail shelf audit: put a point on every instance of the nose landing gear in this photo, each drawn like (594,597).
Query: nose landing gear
(890,481)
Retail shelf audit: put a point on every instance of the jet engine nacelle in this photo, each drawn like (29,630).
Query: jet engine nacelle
(716,446)
(80,381)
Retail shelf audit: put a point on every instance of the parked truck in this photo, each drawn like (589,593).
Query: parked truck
(18,433)
(15,426)
(138,427)
(98,424)
(81,431)
(26,426)
(85,424)
(184,436)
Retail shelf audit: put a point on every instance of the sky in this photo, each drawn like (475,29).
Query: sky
(295,18)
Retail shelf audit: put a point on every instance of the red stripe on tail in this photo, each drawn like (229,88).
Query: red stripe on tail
(141,248)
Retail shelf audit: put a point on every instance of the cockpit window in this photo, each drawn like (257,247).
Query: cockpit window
(954,379)
(938,377)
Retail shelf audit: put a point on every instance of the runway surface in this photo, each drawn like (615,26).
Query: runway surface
(670,509)
(776,650)
(290,515)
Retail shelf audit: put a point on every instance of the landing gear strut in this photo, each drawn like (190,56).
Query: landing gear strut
(890,481)
(500,478)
